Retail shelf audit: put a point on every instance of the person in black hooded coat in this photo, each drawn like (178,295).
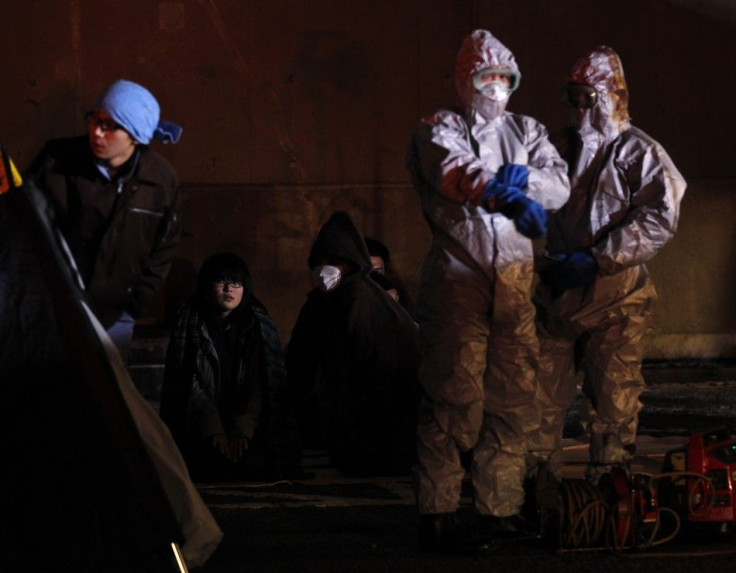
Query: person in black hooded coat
(352,361)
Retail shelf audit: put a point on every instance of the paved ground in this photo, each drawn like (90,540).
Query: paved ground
(331,523)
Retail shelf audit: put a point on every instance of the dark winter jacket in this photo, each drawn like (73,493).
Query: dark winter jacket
(221,400)
(352,361)
(192,404)
(122,233)
(111,500)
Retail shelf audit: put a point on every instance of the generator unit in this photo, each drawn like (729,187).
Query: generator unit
(698,501)
(693,491)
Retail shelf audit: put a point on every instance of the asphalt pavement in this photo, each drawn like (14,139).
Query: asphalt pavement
(334,524)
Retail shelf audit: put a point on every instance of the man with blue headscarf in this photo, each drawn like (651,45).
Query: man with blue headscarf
(117,203)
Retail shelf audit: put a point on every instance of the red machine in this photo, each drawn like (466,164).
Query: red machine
(702,501)
(696,489)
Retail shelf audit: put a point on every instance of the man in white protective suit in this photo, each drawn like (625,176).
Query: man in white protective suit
(596,298)
(485,177)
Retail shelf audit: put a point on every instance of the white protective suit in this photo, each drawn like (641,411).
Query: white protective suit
(623,208)
(479,346)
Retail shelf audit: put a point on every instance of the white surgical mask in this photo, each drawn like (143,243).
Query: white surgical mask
(491,103)
(328,277)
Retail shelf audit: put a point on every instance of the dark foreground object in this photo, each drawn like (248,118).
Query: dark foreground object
(384,538)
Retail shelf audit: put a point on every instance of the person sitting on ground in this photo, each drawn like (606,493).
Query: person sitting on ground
(383,274)
(225,395)
(386,284)
(352,361)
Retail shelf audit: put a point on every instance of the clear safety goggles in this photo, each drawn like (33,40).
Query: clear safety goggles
(486,79)
(579,97)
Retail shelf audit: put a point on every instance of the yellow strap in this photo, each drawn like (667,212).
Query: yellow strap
(5,183)
(17,179)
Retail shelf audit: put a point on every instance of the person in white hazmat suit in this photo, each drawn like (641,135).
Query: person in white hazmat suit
(596,298)
(485,177)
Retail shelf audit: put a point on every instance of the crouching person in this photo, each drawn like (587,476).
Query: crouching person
(353,359)
(225,394)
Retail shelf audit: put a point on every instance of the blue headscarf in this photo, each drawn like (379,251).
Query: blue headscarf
(134,107)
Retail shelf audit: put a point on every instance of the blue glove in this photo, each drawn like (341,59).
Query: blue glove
(497,195)
(505,187)
(513,175)
(576,270)
(530,218)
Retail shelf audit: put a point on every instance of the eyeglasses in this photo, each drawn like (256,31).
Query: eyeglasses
(105,125)
(231,284)
(580,97)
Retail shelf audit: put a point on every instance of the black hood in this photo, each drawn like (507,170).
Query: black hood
(339,238)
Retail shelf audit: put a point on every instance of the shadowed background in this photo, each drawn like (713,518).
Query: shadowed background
(292,110)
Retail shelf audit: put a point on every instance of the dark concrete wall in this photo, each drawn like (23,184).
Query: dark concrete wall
(294,109)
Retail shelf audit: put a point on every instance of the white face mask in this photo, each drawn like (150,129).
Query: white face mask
(488,107)
(497,91)
(328,277)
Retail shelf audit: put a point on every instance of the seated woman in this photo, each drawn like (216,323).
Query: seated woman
(352,361)
(225,396)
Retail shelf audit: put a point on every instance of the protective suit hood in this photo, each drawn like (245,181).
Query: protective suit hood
(479,50)
(339,238)
(601,69)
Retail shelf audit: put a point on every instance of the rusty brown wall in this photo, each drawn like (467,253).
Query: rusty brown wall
(293,109)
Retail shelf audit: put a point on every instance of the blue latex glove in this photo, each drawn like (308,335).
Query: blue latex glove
(513,175)
(498,196)
(506,187)
(530,218)
(575,270)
